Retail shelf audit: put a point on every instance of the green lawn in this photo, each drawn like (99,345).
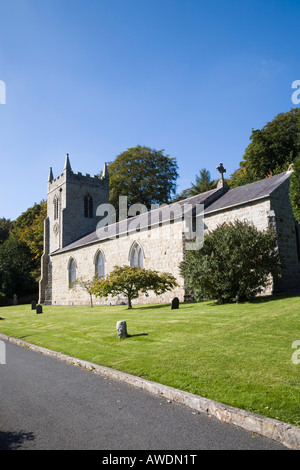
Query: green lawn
(238,354)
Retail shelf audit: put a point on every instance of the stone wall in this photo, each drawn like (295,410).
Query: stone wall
(284,224)
(70,189)
(163,251)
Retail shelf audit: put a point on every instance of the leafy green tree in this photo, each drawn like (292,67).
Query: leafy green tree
(5,228)
(87,285)
(272,149)
(16,267)
(29,229)
(146,176)
(234,263)
(295,189)
(203,183)
(131,281)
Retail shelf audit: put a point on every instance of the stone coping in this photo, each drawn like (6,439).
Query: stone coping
(284,433)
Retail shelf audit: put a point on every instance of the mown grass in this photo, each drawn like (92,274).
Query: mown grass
(237,354)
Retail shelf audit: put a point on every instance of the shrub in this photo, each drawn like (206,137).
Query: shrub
(234,263)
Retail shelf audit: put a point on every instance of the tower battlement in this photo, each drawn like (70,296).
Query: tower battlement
(101,182)
(72,201)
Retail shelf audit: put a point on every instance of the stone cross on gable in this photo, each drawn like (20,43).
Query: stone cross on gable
(221,170)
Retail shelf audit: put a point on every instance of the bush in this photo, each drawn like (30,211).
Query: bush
(234,263)
(3,300)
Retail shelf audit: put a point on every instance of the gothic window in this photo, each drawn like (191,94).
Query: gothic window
(55,204)
(99,265)
(88,207)
(137,255)
(72,272)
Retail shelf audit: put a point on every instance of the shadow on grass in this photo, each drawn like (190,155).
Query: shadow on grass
(271,298)
(256,300)
(140,334)
(158,306)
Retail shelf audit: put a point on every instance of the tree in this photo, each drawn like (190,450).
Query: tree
(131,281)
(295,189)
(5,228)
(29,229)
(234,263)
(272,149)
(16,268)
(203,183)
(87,285)
(146,176)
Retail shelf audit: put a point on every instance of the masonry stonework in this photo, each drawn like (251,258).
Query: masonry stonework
(162,247)
(69,235)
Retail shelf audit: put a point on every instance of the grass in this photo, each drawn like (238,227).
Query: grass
(237,354)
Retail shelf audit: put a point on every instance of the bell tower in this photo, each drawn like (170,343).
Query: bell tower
(72,201)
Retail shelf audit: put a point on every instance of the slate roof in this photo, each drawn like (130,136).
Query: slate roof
(143,220)
(250,192)
(212,200)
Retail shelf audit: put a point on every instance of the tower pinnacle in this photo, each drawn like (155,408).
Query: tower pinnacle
(67,164)
(50,177)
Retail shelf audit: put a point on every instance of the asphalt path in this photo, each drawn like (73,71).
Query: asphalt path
(46,404)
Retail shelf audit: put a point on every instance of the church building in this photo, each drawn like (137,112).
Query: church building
(75,247)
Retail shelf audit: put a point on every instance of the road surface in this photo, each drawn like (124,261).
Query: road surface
(50,405)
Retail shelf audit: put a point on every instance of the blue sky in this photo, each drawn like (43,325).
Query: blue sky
(94,77)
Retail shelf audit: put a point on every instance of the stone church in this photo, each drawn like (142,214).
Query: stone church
(74,248)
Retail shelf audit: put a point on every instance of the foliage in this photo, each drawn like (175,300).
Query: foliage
(272,149)
(203,183)
(295,189)
(5,228)
(131,281)
(29,229)
(16,267)
(3,299)
(87,285)
(234,263)
(146,176)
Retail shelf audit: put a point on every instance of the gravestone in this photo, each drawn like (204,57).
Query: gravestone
(15,300)
(122,329)
(33,305)
(175,303)
(39,309)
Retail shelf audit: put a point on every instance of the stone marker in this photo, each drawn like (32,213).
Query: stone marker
(175,303)
(122,329)
(39,309)
(15,300)
(33,305)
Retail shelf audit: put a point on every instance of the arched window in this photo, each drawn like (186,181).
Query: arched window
(55,207)
(136,255)
(72,272)
(99,264)
(88,207)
